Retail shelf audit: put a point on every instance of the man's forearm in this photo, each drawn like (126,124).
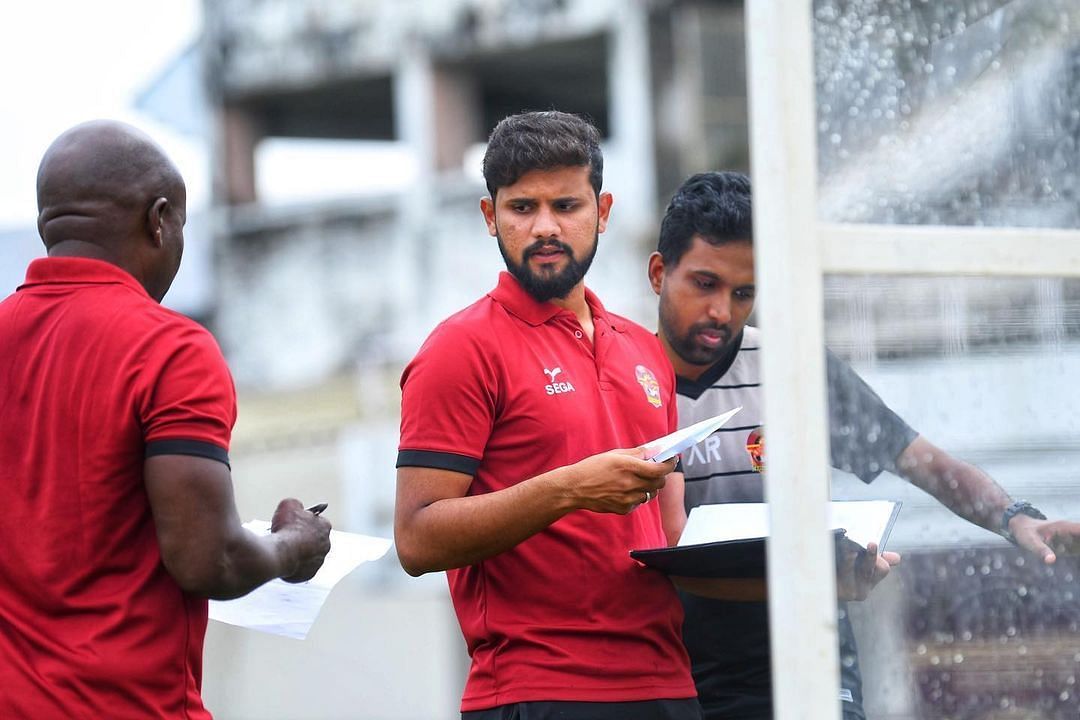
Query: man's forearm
(242,563)
(456,532)
(963,488)
(247,566)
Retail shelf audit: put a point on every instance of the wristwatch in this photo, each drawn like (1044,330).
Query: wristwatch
(1020,507)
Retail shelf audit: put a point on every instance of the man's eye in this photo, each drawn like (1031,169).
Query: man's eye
(565,207)
(704,284)
(519,208)
(744,294)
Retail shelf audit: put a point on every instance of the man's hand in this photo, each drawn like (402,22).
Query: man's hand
(616,481)
(859,570)
(1046,538)
(306,537)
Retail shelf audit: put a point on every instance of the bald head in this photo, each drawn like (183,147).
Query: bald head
(106,190)
(100,169)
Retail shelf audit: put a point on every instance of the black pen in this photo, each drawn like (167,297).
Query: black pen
(317,509)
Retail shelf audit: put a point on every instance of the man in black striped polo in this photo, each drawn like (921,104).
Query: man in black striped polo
(703,272)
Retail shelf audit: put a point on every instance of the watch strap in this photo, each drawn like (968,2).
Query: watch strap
(1019,507)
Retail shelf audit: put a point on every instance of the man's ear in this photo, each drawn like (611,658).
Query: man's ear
(155,218)
(656,272)
(487,207)
(603,209)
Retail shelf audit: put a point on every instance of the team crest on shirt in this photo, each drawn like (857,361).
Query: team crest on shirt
(755,445)
(556,387)
(649,384)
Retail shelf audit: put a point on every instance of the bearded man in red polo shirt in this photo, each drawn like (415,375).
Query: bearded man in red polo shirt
(518,471)
(115,419)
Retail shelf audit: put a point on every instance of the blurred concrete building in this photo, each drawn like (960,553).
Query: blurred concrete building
(663,81)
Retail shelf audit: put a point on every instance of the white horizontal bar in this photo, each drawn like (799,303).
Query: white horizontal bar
(948,250)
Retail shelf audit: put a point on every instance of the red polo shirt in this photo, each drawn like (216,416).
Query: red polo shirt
(508,389)
(95,376)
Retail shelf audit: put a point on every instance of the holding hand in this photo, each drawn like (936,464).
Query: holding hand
(617,481)
(305,536)
(859,570)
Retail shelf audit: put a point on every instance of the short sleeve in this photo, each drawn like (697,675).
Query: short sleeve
(865,436)
(448,402)
(188,400)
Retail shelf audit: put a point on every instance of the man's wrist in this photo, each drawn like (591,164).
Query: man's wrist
(560,485)
(1019,507)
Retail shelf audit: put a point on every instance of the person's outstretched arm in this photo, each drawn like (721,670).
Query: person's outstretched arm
(203,544)
(973,495)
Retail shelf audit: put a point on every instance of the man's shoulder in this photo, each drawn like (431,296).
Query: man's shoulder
(158,331)
(160,320)
(471,333)
(472,323)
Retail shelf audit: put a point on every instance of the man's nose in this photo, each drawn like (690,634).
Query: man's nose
(720,309)
(545,225)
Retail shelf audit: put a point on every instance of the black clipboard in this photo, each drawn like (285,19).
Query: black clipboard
(743,558)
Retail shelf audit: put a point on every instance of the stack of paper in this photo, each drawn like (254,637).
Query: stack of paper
(863,521)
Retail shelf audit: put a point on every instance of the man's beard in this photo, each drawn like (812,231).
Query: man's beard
(550,284)
(684,345)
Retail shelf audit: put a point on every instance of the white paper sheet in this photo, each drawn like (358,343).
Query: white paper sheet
(669,446)
(290,609)
(864,521)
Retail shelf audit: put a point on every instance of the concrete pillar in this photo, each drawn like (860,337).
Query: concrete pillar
(456,117)
(239,135)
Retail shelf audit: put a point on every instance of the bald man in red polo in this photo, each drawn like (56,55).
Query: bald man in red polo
(118,518)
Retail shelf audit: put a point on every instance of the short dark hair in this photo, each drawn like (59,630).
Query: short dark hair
(541,141)
(714,205)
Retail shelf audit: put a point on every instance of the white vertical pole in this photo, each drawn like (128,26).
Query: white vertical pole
(801,575)
(414,97)
(631,112)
